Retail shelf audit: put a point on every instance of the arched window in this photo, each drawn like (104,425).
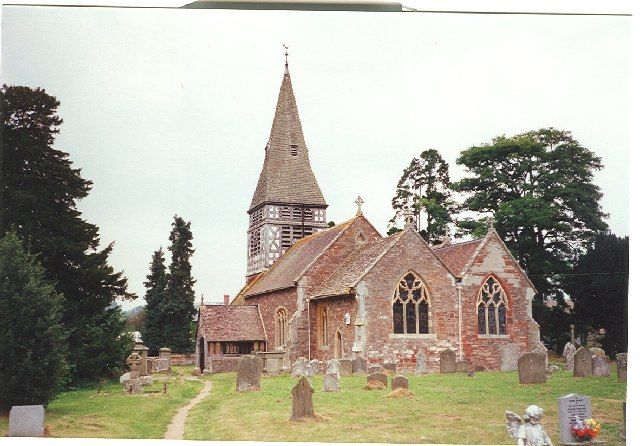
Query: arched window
(411,306)
(492,308)
(281,326)
(323,325)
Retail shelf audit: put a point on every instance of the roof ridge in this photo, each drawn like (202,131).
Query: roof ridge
(454,245)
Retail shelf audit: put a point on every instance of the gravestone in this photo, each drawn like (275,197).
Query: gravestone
(377,376)
(273,366)
(532,368)
(582,363)
(26,421)
(421,363)
(346,367)
(331,382)
(161,364)
(124,377)
(302,402)
(375,369)
(248,374)
(621,360)
(448,361)
(462,366)
(509,355)
(600,366)
(390,366)
(133,384)
(569,406)
(359,365)
(165,353)
(597,351)
(399,382)
(568,352)
(333,368)
(142,351)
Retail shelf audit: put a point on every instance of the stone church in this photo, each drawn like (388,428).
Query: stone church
(346,291)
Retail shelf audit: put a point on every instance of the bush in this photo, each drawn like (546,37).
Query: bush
(33,345)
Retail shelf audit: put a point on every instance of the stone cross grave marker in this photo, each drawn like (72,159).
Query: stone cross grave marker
(568,352)
(621,360)
(399,382)
(569,406)
(333,367)
(582,363)
(346,367)
(248,374)
(359,365)
(377,376)
(447,361)
(142,351)
(26,421)
(532,369)
(302,402)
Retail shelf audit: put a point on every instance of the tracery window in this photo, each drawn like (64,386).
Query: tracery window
(492,308)
(281,327)
(411,306)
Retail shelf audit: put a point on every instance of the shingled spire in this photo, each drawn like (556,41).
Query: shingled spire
(287,203)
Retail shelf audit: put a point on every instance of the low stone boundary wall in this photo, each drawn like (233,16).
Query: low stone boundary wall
(183,359)
(219,364)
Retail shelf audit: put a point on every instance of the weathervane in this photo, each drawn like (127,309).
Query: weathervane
(359,202)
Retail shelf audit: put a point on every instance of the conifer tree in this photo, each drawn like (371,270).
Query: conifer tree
(33,344)
(156,299)
(179,309)
(40,193)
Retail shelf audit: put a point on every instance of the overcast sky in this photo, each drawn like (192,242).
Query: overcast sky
(168,111)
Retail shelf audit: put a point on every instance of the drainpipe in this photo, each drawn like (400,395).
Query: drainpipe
(309,329)
(459,288)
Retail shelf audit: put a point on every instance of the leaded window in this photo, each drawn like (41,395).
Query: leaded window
(281,327)
(492,308)
(411,306)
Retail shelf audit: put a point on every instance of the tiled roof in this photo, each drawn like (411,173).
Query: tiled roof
(355,266)
(286,175)
(239,298)
(231,323)
(457,255)
(297,259)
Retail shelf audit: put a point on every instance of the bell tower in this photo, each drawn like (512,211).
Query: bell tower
(287,204)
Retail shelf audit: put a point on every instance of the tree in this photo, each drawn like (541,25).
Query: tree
(33,344)
(598,286)
(40,192)
(179,309)
(424,188)
(539,186)
(156,300)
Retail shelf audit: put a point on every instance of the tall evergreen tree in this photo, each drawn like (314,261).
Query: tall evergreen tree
(539,186)
(40,192)
(156,301)
(599,286)
(33,344)
(424,189)
(179,308)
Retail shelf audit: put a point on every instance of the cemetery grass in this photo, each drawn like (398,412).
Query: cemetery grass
(446,408)
(113,414)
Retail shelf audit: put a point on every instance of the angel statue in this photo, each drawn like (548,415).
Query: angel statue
(528,432)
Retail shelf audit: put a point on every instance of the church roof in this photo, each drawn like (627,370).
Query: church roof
(457,255)
(349,273)
(296,260)
(231,323)
(286,175)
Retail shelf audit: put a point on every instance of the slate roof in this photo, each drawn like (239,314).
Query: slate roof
(286,178)
(349,273)
(296,260)
(231,323)
(457,255)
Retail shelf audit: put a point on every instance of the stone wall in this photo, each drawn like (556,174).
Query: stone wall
(219,364)
(269,304)
(183,359)
(336,309)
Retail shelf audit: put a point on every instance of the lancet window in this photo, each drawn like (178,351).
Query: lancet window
(281,327)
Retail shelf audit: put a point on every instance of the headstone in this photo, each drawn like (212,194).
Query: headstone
(161,364)
(248,374)
(146,380)
(600,366)
(315,367)
(582,363)
(333,368)
(568,407)
(346,367)
(509,355)
(377,376)
(621,360)
(569,351)
(462,366)
(124,377)
(375,369)
(26,421)
(532,369)
(302,403)
(142,351)
(273,366)
(597,351)
(399,382)
(390,366)
(331,382)
(448,361)
(359,365)
(552,368)
(165,352)
(421,363)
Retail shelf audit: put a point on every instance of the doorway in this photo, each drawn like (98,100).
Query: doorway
(201,354)
(337,345)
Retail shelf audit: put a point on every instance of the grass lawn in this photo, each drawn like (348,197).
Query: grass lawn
(447,408)
(113,414)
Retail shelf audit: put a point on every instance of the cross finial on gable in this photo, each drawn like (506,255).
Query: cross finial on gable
(201,299)
(490,222)
(359,202)
(286,56)
(409,219)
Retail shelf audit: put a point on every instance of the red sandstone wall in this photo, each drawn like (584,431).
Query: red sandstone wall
(221,364)
(269,303)
(337,307)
